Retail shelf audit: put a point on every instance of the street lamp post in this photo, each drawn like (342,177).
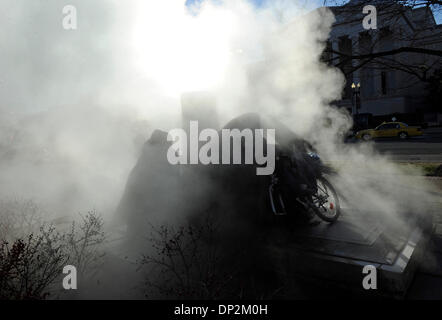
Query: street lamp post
(356,88)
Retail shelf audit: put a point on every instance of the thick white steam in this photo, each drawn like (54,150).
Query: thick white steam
(77,105)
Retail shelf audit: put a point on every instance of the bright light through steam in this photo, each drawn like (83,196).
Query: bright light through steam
(179,51)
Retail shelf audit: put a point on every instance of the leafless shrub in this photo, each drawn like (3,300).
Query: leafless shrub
(187,262)
(29,266)
(19,217)
(33,253)
(84,241)
(207,260)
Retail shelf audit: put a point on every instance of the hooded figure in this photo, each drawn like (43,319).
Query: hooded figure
(151,189)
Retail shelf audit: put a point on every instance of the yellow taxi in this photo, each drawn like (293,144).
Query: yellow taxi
(389,130)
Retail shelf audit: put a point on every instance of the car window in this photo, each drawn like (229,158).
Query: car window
(393,126)
(387,126)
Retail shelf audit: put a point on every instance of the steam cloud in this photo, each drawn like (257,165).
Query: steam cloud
(77,105)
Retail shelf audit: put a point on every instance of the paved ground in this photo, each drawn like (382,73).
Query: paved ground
(427,283)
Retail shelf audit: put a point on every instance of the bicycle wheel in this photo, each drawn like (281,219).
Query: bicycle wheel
(325,202)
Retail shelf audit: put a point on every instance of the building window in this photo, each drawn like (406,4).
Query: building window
(384,82)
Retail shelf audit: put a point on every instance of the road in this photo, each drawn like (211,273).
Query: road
(427,148)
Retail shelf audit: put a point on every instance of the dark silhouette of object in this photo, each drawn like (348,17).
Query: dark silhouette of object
(151,188)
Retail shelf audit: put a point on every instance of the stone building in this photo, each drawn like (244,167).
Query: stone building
(388,84)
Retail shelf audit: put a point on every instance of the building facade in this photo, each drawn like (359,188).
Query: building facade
(390,84)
